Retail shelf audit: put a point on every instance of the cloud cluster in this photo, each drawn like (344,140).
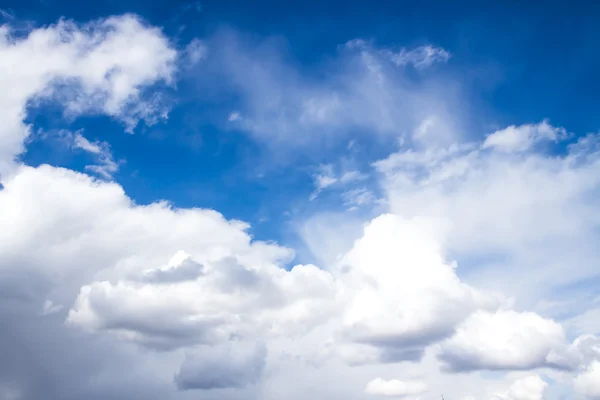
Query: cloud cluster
(514,211)
(183,299)
(522,138)
(100,67)
(234,295)
(505,340)
(517,214)
(389,298)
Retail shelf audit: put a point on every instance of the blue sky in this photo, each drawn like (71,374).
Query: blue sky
(511,65)
(265,199)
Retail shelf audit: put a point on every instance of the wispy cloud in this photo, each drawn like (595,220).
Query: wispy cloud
(419,57)
(234,116)
(358,197)
(290,108)
(105,166)
(195,52)
(327,177)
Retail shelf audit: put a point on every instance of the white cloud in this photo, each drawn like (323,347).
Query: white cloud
(321,234)
(395,388)
(522,138)
(357,44)
(518,215)
(358,197)
(382,303)
(505,340)
(516,211)
(138,287)
(328,177)
(325,178)
(106,166)
(527,388)
(195,52)
(181,268)
(588,321)
(197,286)
(364,92)
(85,215)
(240,289)
(404,295)
(230,298)
(51,308)
(583,351)
(352,176)
(234,116)
(79,142)
(420,57)
(98,67)
(587,384)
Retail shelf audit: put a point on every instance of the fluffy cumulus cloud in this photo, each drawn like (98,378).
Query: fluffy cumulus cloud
(234,295)
(504,340)
(495,201)
(104,67)
(224,285)
(141,289)
(587,384)
(522,138)
(103,297)
(517,211)
(119,269)
(404,295)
